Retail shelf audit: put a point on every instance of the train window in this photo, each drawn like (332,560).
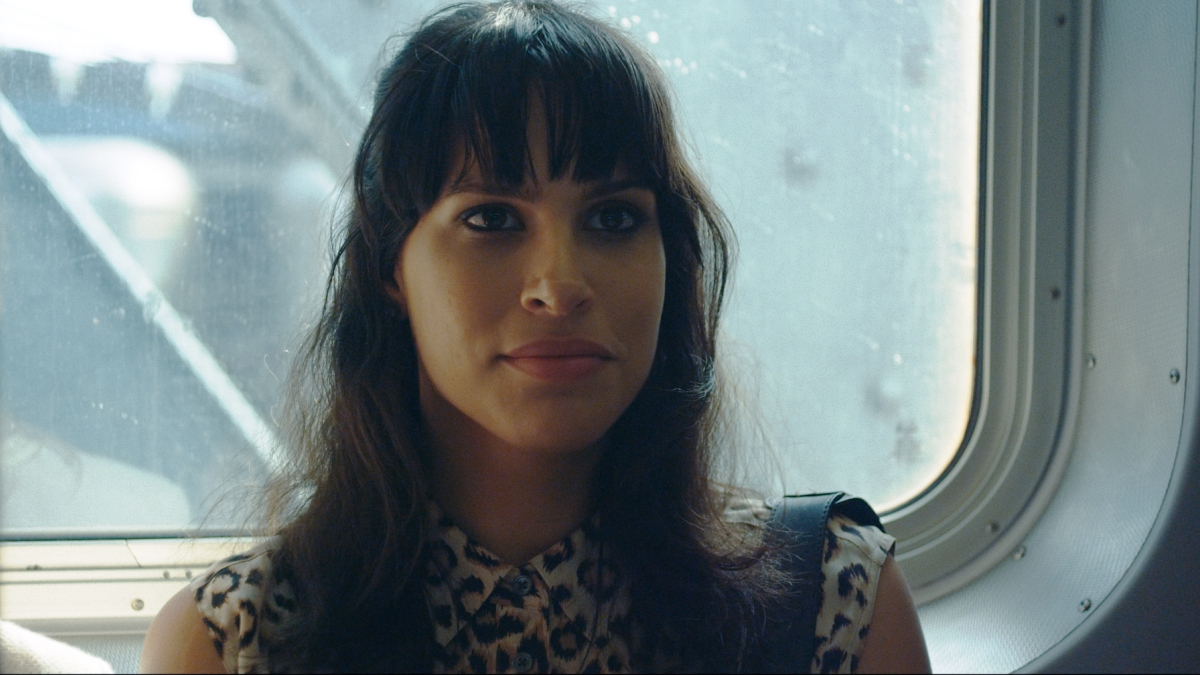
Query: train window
(161,237)
(170,179)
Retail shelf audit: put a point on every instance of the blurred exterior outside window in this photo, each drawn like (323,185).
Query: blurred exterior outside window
(166,208)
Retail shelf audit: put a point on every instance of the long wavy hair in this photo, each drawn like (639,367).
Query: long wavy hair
(353,536)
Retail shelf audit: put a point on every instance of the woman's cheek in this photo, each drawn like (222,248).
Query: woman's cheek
(642,297)
(434,291)
(462,308)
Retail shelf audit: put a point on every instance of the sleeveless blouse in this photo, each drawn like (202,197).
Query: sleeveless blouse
(566,610)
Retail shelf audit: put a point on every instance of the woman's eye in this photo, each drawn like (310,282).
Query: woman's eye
(615,218)
(491,219)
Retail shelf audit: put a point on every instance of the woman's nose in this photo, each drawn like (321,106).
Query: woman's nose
(555,285)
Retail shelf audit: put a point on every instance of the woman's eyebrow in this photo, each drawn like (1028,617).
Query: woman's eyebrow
(600,189)
(490,188)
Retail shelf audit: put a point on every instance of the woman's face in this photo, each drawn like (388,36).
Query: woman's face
(535,312)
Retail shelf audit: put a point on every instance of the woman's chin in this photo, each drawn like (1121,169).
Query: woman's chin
(554,437)
(554,424)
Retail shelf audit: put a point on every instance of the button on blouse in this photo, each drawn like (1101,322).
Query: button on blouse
(563,611)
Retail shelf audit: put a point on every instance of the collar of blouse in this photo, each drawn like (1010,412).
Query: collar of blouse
(572,582)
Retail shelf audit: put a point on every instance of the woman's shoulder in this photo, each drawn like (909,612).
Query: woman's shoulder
(842,528)
(244,601)
(241,577)
(747,509)
(853,555)
(848,538)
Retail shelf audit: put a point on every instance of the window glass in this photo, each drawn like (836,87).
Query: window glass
(169,179)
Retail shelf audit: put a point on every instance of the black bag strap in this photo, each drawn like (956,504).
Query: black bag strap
(800,520)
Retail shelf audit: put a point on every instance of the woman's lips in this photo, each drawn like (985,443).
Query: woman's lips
(561,360)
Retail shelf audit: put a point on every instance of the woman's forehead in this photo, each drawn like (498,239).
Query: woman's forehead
(559,137)
(472,179)
(469,173)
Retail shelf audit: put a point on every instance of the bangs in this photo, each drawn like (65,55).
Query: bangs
(597,104)
(484,67)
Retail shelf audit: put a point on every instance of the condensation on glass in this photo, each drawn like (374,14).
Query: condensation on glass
(169,180)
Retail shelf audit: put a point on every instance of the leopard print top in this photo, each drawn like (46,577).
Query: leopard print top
(566,610)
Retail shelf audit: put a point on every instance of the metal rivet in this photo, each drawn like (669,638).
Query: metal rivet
(1091,361)
(166,574)
(992,527)
(1085,604)
(1019,553)
(1061,20)
(188,574)
(137,604)
(1174,376)
(1055,292)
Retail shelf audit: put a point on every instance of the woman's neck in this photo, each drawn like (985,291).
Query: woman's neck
(516,504)
(514,501)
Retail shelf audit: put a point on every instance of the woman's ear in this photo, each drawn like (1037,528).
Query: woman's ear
(395,290)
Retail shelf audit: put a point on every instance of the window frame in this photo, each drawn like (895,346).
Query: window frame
(1015,450)
(103,586)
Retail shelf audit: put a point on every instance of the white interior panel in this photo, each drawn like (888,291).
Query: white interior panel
(1135,293)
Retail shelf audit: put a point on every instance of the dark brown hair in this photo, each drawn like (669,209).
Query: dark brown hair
(354,544)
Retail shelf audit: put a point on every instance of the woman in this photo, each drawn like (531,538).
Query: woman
(512,420)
